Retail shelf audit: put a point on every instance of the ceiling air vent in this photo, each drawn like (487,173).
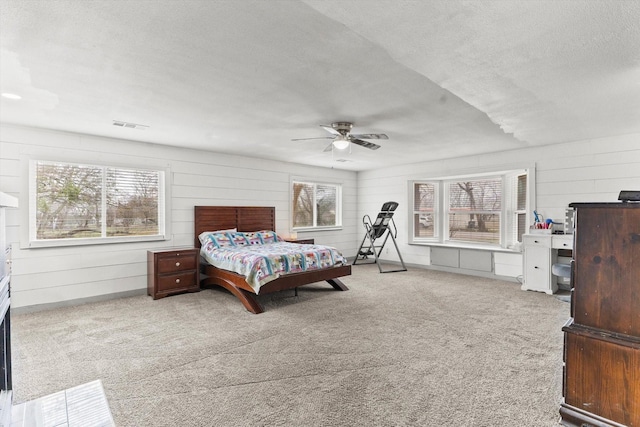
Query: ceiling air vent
(129,125)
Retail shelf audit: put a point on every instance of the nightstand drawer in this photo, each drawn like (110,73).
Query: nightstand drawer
(174,282)
(176,262)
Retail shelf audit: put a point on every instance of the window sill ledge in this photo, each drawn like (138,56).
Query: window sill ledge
(314,229)
(514,250)
(54,243)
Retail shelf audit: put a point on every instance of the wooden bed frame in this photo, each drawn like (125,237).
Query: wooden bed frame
(253,218)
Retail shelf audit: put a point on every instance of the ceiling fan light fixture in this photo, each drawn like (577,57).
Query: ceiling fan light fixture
(342,138)
(341,143)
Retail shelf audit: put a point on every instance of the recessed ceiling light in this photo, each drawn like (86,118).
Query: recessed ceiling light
(11,96)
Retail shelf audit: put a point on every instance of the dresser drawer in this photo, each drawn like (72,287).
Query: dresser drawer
(175,282)
(170,263)
(537,240)
(562,241)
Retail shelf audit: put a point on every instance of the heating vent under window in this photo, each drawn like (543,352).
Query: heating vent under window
(129,125)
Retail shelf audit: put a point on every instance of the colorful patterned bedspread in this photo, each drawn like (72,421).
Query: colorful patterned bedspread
(262,263)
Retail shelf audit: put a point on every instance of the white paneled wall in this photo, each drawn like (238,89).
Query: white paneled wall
(54,275)
(583,171)
(593,170)
(587,171)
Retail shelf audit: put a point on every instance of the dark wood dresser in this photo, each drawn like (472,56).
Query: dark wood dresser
(172,271)
(601,384)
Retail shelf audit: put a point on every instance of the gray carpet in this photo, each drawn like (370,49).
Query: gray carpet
(417,348)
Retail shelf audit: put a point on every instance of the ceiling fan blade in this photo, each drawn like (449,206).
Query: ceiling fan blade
(365,144)
(318,137)
(330,129)
(329,147)
(370,136)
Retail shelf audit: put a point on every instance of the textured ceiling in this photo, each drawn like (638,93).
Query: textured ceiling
(440,78)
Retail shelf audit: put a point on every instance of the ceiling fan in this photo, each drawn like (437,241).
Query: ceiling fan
(342,137)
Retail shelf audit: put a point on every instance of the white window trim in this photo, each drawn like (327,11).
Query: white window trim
(27,240)
(441,219)
(316,181)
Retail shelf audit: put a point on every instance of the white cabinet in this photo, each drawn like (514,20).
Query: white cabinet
(537,264)
(540,252)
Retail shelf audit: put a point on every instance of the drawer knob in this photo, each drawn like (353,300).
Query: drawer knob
(177,280)
(177,264)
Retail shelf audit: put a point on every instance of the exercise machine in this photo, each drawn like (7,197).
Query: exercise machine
(379,231)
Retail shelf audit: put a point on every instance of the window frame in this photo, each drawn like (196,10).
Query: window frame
(508,231)
(434,213)
(315,183)
(30,240)
(447,210)
(517,212)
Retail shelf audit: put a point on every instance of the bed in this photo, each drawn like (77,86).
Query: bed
(249,219)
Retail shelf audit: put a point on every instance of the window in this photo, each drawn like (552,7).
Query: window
(424,206)
(474,210)
(91,204)
(486,210)
(520,212)
(316,205)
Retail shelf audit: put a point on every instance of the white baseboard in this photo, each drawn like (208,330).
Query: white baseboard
(79,301)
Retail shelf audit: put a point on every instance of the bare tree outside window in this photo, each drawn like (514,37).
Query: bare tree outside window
(423,211)
(326,204)
(69,201)
(132,202)
(302,204)
(315,205)
(474,210)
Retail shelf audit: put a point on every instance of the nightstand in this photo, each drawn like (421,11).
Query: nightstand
(171,271)
(301,241)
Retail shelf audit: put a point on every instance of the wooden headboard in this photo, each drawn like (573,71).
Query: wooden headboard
(244,218)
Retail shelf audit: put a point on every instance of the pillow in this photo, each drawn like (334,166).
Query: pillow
(268,236)
(253,238)
(238,239)
(204,236)
(220,240)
